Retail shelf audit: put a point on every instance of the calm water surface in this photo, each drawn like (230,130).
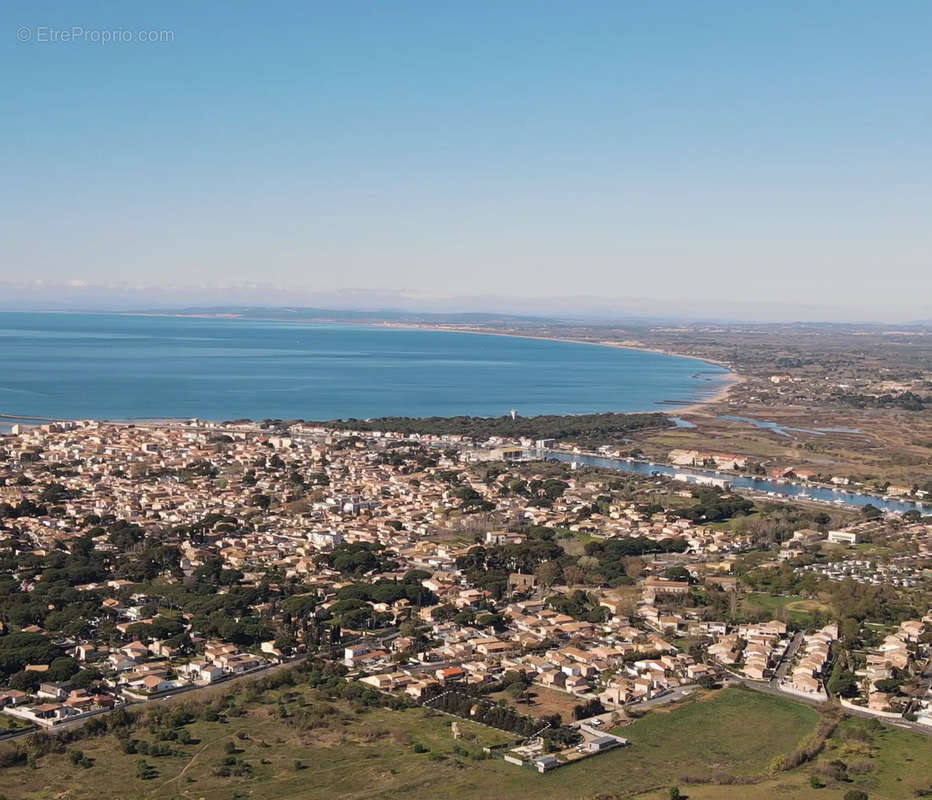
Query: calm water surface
(113,366)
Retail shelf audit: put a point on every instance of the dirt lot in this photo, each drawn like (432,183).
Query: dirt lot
(544,701)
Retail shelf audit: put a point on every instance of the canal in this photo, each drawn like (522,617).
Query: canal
(837,496)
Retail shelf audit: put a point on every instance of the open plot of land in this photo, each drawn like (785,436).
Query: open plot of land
(736,732)
(372,755)
(544,701)
(797,609)
(901,760)
(888,764)
(355,755)
(729,735)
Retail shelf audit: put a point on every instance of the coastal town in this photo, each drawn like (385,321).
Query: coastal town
(463,401)
(821,401)
(146,561)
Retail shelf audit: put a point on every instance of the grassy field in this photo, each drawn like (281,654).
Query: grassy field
(372,755)
(887,763)
(369,754)
(734,732)
(797,609)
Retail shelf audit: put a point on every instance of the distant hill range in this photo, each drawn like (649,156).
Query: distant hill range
(344,315)
(509,321)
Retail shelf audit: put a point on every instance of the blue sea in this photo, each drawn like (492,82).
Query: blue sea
(114,366)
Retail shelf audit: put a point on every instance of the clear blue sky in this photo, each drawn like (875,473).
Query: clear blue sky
(711,152)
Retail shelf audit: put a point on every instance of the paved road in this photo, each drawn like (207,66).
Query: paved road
(783,667)
(670,697)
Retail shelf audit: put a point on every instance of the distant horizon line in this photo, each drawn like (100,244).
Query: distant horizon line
(426,316)
(85,296)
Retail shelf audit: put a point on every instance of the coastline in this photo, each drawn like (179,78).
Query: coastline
(732,379)
(734,376)
(729,378)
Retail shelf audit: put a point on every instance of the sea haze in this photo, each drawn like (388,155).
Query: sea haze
(112,366)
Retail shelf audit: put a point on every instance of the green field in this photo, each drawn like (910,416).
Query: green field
(889,764)
(734,732)
(731,734)
(371,754)
(793,607)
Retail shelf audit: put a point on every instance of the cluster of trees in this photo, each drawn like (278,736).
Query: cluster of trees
(808,748)
(19,649)
(907,401)
(243,631)
(213,522)
(145,771)
(41,743)
(578,427)
(498,716)
(78,758)
(488,566)
(201,468)
(407,459)
(123,535)
(538,492)
(588,709)
(784,579)
(389,591)
(471,501)
(357,615)
(622,546)
(232,765)
(160,628)
(874,602)
(715,506)
(328,678)
(353,608)
(842,682)
(604,562)
(54,493)
(579,605)
(358,558)
(613,557)
(776,522)
(25,508)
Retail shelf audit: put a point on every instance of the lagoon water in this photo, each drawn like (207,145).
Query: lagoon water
(114,366)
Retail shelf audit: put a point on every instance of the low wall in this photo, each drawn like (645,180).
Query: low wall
(50,723)
(871,711)
(819,697)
